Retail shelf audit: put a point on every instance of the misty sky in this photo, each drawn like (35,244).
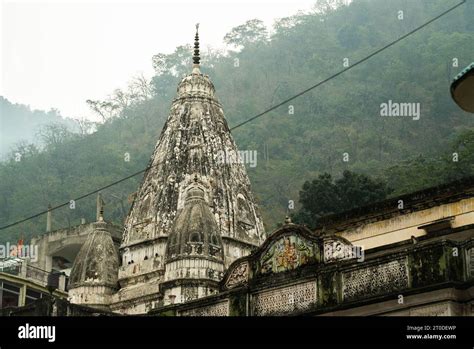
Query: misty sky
(57,54)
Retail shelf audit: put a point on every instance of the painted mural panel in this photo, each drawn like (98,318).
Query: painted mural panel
(288,253)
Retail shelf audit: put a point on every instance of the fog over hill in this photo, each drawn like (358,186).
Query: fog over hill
(20,125)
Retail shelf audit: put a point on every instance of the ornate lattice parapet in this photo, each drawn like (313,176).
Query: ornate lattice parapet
(285,300)
(220,308)
(327,283)
(374,280)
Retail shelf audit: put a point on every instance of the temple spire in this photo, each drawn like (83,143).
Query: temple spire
(196,57)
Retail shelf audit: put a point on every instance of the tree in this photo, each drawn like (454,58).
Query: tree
(85,126)
(250,32)
(139,90)
(54,134)
(105,109)
(327,6)
(175,64)
(356,190)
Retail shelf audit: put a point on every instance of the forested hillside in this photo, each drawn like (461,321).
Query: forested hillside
(335,127)
(20,125)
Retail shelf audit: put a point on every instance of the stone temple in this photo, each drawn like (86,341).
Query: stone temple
(192,216)
(194,244)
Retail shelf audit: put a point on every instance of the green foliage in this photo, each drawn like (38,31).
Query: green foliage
(251,32)
(323,196)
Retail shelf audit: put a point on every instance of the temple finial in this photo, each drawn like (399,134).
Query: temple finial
(101,214)
(99,208)
(196,57)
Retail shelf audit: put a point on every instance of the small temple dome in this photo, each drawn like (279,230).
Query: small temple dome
(195,231)
(194,193)
(97,262)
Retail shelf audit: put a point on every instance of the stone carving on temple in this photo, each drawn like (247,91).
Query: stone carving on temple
(336,249)
(239,276)
(287,253)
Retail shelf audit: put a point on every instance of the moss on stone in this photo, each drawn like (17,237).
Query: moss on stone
(238,304)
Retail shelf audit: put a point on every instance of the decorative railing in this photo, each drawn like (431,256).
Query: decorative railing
(319,289)
(54,280)
(216,309)
(284,300)
(374,280)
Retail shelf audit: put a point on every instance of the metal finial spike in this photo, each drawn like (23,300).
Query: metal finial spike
(196,57)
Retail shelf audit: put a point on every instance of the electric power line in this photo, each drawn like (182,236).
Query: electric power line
(77,199)
(348,68)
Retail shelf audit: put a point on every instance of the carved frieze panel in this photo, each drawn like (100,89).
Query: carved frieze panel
(190,293)
(217,309)
(336,249)
(284,300)
(373,280)
(288,253)
(238,276)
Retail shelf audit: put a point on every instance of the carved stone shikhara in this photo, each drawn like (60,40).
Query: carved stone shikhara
(194,212)
(194,135)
